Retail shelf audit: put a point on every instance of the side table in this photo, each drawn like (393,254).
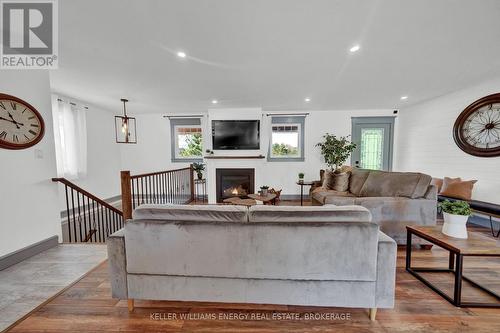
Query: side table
(302,184)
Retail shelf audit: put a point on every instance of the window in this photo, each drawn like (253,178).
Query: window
(70,134)
(287,139)
(187,140)
(372,148)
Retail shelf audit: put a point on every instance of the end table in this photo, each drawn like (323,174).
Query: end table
(302,184)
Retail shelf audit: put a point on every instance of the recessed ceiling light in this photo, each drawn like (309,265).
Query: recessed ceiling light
(181,54)
(354,48)
(404,97)
(214,101)
(307,99)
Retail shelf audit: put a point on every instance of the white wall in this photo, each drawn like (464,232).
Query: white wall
(28,199)
(103,155)
(152,153)
(426,142)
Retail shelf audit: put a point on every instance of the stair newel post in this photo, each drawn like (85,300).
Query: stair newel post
(126,195)
(191,181)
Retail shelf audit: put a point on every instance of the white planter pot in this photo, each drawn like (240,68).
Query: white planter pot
(454,225)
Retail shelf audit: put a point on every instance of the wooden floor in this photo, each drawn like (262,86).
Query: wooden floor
(88,307)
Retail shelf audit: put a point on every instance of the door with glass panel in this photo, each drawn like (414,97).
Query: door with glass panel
(373,137)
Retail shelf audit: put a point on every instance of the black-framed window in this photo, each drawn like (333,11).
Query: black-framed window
(286,139)
(186,138)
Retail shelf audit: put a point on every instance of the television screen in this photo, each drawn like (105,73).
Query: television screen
(235,134)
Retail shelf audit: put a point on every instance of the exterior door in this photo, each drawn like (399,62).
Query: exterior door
(373,137)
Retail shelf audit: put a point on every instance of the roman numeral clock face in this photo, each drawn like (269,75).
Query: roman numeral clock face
(21,126)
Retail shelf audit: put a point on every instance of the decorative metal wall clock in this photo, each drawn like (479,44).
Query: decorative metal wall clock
(477,128)
(21,125)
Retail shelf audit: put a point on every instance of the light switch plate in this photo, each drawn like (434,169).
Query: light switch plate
(38,154)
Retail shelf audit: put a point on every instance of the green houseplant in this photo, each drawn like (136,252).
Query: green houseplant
(335,150)
(264,190)
(198,168)
(301,176)
(455,215)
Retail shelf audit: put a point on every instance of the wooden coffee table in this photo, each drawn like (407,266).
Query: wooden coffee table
(269,198)
(476,245)
(239,201)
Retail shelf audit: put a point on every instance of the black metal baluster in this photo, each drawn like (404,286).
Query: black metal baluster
(101,222)
(89,219)
(148,189)
(142,190)
(73,209)
(85,234)
(67,212)
(96,225)
(165,188)
(133,193)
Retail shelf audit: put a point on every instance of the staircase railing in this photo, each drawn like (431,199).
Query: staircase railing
(89,218)
(171,186)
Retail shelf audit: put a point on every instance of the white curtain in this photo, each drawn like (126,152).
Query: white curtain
(70,134)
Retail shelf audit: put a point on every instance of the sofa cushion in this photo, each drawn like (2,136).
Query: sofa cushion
(340,200)
(327,213)
(196,213)
(395,184)
(357,180)
(336,181)
(320,194)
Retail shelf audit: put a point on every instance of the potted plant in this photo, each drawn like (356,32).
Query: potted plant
(455,216)
(301,176)
(335,150)
(264,190)
(198,168)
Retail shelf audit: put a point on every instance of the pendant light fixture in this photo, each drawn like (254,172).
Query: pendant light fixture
(125,129)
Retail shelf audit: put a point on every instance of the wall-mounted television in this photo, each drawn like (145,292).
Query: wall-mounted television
(235,134)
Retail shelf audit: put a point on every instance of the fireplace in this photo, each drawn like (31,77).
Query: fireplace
(234,183)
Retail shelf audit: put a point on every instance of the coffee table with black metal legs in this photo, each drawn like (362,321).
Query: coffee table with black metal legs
(474,246)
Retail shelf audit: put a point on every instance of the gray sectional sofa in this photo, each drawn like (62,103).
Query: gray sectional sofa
(315,256)
(395,199)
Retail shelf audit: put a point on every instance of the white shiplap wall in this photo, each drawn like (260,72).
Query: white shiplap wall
(426,143)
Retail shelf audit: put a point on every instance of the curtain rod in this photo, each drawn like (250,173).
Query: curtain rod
(186,116)
(71,103)
(287,114)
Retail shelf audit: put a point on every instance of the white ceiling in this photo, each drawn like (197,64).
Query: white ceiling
(273,53)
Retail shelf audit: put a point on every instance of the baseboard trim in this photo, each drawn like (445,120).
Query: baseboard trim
(27,252)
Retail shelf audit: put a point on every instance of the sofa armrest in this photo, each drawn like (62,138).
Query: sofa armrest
(432,192)
(117,263)
(315,185)
(386,271)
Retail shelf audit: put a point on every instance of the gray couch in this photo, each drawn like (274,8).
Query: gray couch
(395,199)
(315,256)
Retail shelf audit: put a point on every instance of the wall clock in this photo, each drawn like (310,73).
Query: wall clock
(21,125)
(477,128)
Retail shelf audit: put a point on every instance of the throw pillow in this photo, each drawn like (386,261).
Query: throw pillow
(457,188)
(336,181)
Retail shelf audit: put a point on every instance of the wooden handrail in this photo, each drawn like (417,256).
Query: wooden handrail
(157,173)
(169,186)
(90,195)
